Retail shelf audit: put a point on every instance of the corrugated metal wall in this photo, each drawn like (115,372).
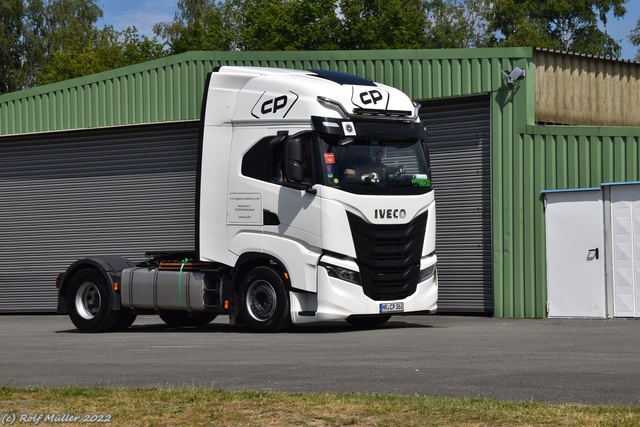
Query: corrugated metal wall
(170,89)
(550,158)
(586,90)
(67,195)
(461,174)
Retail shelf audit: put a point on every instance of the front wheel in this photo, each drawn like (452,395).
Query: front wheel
(89,302)
(264,300)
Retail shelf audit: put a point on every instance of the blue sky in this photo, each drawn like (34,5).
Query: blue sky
(619,29)
(145,13)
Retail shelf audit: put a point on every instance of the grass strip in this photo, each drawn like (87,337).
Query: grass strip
(213,407)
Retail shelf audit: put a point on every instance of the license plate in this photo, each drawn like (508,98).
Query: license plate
(392,307)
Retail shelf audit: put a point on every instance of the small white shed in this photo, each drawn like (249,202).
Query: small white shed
(593,251)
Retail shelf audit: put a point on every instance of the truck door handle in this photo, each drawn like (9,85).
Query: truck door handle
(597,252)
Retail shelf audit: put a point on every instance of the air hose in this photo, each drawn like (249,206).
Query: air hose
(184,262)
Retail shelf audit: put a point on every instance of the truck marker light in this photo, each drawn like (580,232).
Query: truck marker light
(286,275)
(330,124)
(116,286)
(226,304)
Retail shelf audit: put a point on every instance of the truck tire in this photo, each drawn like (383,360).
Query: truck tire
(127,317)
(264,300)
(89,302)
(367,322)
(181,319)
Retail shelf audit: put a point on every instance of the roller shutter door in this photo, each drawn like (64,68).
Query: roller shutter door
(459,144)
(112,191)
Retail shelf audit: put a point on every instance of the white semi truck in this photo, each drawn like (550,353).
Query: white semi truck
(314,203)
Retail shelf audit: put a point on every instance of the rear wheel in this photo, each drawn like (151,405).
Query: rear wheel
(89,302)
(182,319)
(366,322)
(264,300)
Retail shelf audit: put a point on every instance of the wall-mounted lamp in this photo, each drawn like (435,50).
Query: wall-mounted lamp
(514,75)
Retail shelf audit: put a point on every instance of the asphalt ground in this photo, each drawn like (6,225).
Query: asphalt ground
(550,360)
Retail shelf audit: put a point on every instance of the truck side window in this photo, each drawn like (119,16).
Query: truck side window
(264,162)
(256,161)
(277,163)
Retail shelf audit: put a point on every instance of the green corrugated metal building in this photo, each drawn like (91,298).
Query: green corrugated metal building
(570,122)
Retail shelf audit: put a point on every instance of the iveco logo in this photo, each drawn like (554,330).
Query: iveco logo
(390,213)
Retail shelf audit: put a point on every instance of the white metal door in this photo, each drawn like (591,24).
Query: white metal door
(575,254)
(625,230)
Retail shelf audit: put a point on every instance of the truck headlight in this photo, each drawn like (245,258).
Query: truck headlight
(342,273)
(427,272)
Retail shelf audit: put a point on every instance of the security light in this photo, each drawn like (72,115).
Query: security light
(513,75)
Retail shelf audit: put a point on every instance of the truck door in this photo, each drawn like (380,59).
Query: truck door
(298,207)
(289,210)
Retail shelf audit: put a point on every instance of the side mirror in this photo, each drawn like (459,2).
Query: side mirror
(281,136)
(345,141)
(294,157)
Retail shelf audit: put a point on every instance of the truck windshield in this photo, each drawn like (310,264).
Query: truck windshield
(369,165)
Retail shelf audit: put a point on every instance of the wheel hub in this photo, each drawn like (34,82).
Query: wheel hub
(261,301)
(88,300)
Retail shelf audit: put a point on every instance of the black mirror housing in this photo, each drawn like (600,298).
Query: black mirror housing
(294,158)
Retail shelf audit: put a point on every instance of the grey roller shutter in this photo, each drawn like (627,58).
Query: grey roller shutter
(459,145)
(112,191)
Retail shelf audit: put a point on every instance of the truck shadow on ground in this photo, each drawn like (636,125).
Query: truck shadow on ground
(316,328)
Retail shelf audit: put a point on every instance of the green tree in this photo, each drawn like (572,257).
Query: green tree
(252,25)
(35,33)
(11,45)
(138,48)
(457,23)
(570,25)
(197,25)
(106,50)
(634,38)
(70,22)
(65,37)
(383,24)
(286,24)
(43,41)
(77,47)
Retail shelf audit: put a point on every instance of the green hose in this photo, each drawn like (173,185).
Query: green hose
(184,261)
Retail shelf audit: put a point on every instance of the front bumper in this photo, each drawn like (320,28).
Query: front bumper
(338,299)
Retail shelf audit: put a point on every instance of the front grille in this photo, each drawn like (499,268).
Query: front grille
(388,256)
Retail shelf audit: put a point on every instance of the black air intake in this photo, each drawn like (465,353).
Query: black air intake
(388,256)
